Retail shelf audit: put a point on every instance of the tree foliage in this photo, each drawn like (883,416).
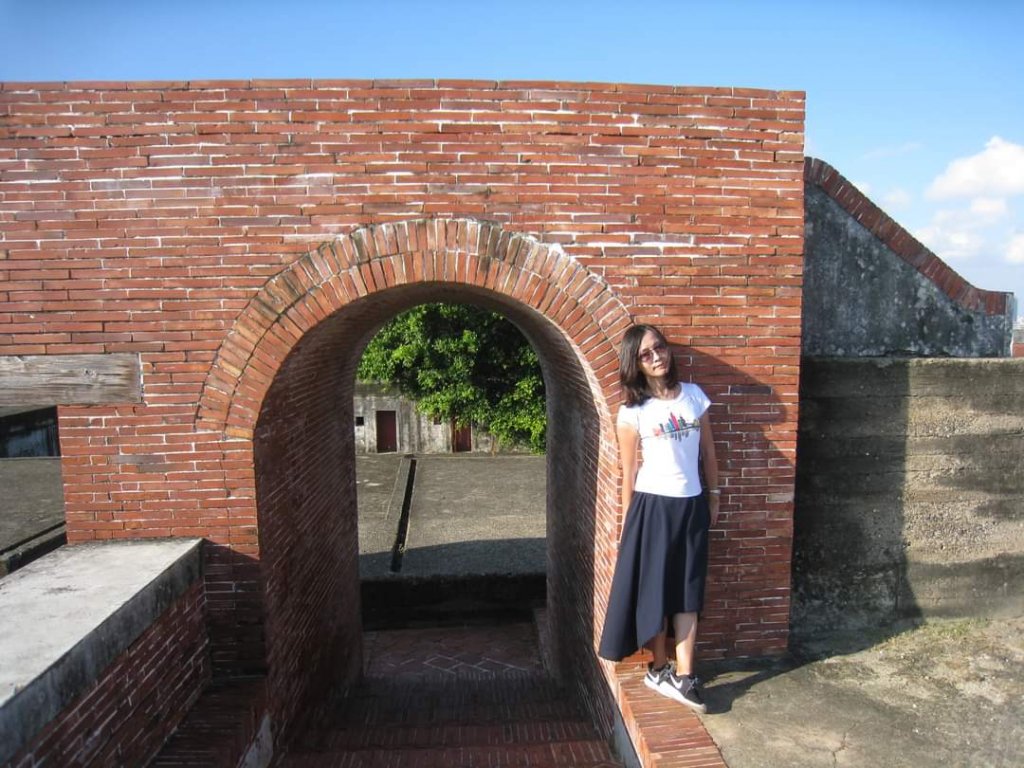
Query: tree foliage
(466,364)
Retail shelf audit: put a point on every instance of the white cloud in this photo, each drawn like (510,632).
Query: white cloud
(957,233)
(863,186)
(989,209)
(996,171)
(951,238)
(983,229)
(1015,251)
(897,198)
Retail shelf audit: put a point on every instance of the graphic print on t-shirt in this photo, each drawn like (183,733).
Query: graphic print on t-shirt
(676,427)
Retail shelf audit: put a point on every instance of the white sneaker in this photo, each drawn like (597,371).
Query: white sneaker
(685,690)
(655,677)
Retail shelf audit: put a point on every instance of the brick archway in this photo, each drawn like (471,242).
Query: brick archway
(371,259)
(282,385)
(686,202)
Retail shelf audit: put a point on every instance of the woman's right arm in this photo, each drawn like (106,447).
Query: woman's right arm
(629,445)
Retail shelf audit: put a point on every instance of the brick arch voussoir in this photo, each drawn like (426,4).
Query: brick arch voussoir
(382,256)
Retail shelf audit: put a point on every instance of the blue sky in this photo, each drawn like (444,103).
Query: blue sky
(918,102)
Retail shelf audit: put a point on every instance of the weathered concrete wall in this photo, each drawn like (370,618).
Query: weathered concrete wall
(872,290)
(910,491)
(415,434)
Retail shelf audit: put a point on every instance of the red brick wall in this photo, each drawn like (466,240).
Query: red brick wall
(125,717)
(305,464)
(181,221)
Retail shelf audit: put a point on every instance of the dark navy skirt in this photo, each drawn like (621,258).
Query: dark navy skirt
(661,570)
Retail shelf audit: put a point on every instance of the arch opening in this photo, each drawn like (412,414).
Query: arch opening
(304,461)
(450,410)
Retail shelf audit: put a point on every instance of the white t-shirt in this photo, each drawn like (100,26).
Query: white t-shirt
(669,441)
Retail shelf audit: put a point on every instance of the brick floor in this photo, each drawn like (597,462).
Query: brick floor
(453,696)
(438,652)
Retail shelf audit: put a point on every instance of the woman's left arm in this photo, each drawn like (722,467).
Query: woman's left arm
(707,453)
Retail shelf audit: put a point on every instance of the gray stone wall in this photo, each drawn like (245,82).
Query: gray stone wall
(910,491)
(416,433)
(860,299)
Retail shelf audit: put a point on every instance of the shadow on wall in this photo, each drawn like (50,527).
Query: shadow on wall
(747,608)
(234,612)
(849,561)
(849,565)
(910,491)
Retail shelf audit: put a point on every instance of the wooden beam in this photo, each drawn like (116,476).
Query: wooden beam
(70,379)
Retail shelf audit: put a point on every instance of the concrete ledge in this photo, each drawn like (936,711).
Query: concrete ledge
(70,614)
(32,549)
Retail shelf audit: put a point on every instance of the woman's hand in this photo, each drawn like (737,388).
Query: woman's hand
(714,504)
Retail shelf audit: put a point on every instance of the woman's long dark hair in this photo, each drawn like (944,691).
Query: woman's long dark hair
(634,383)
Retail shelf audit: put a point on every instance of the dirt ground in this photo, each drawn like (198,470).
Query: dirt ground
(943,693)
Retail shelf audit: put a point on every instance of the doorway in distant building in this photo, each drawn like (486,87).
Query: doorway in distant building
(462,438)
(387,431)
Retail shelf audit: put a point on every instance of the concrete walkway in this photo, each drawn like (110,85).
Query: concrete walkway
(31,510)
(937,695)
(469,514)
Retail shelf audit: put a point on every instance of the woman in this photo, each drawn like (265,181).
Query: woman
(663,554)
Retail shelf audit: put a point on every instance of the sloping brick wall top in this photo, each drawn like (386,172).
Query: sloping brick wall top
(901,242)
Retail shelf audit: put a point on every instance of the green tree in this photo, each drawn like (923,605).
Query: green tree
(466,364)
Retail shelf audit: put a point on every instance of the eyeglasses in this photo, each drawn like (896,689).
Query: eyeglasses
(646,355)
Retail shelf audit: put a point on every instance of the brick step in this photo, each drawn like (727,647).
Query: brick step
(463,702)
(590,753)
(518,720)
(400,735)
(219,728)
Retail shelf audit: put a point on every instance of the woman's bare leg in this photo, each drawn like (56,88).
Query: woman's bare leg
(685,625)
(657,646)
